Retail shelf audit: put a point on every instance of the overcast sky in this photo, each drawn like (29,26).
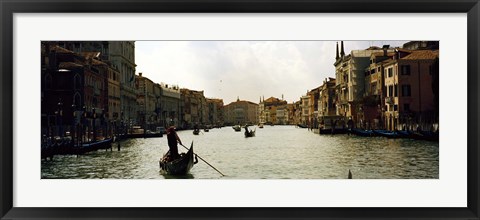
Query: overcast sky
(244,69)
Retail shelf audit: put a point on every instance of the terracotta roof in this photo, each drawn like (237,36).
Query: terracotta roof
(404,50)
(272,99)
(422,55)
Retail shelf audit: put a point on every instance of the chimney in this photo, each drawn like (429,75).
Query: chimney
(385,48)
(342,52)
(337,57)
(140,74)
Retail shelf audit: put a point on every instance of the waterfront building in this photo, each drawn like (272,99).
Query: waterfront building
(241,112)
(282,115)
(215,112)
(411,81)
(291,111)
(350,80)
(170,105)
(304,106)
(146,102)
(262,114)
(114,99)
(195,108)
(74,93)
(313,95)
(271,109)
(372,108)
(121,55)
(326,101)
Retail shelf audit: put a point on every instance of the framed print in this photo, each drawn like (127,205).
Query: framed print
(256,110)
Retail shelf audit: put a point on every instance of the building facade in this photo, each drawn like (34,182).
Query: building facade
(215,112)
(74,94)
(350,80)
(121,56)
(241,112)
(411,81)
(195,108)
(326,102)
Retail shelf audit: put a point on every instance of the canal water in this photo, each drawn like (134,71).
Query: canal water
(276,152)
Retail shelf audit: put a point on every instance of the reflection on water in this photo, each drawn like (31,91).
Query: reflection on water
(277,152)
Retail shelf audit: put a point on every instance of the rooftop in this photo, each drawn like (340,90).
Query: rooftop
(422,55)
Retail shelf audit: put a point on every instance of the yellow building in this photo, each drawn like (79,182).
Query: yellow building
(241,112)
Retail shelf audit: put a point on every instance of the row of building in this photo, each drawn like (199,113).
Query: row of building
(380,88)
(375,88)
(87,86)
(91,87)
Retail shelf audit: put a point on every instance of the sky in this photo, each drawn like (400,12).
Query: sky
(246,70)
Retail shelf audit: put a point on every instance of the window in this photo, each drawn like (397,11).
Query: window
(395,107)
(405,69)
(406,107)
(406,90)
(390,91)
(390,72)
(396,90)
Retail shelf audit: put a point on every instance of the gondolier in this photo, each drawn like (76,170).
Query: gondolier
(173,141)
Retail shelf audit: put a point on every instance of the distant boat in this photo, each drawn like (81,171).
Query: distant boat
(237,128)
(333,124)
(424,135)
(333,131)
(260,126)
(249,133)
(206,129)
(361,132)
(180,166)
(196,131)
(388,134)
(302,126)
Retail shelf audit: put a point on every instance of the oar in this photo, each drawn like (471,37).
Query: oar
(205,161)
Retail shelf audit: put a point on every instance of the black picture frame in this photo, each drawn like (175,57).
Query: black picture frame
(9,7)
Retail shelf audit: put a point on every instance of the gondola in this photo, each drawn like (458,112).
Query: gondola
(361,132)
(332,131)
(388,134)
(249,133)
(196,131)
(424,135)
(237,128)
(180,166)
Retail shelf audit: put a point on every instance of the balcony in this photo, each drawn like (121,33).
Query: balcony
(389,100)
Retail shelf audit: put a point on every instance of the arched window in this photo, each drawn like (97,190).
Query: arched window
(77,99)
(77,82)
